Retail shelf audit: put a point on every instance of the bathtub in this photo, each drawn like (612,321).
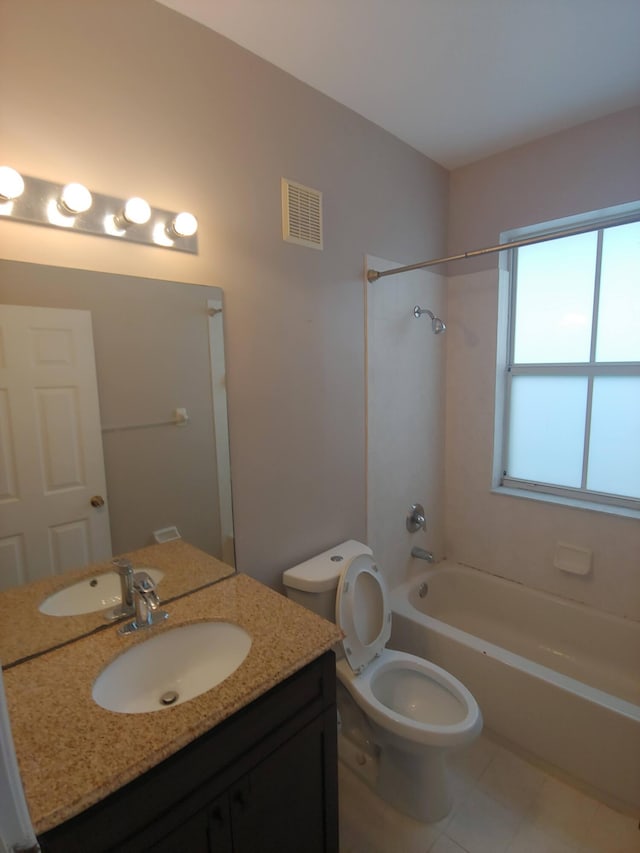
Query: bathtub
(557,679)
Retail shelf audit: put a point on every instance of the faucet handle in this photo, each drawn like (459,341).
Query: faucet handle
(147,604)
(416,519)
(143,582)
(144,585)
(123,565)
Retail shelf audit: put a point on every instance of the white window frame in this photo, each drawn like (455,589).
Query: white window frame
(506,369)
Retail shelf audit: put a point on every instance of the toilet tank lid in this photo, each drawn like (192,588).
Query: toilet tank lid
(322,572)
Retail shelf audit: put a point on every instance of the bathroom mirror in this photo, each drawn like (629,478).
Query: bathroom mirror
(162,430)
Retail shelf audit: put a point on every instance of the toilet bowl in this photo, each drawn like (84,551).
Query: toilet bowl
(415,710)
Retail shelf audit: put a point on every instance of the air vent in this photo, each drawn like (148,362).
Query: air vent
(301,215)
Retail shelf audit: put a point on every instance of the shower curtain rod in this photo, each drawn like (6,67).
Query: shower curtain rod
(374,275)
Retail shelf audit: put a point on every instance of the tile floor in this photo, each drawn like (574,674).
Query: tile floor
(502,804)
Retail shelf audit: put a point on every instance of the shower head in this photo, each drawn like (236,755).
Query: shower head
(437,325)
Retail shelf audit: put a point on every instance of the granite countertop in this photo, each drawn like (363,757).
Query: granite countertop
(25,631)
(73,753)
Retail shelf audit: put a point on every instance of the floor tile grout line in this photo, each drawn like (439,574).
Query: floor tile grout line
(453,841)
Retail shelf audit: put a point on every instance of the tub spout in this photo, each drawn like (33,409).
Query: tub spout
(421,554)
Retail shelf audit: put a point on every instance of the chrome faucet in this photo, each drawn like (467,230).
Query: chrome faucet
(125,570)
(146,604)
(421,554)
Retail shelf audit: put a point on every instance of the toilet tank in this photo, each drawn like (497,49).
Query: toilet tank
(313,584)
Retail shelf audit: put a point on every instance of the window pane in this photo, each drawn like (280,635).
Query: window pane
(546,432)
(614,447)
(554,300)
(619,310)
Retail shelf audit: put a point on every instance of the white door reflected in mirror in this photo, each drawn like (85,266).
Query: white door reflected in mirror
(50,435)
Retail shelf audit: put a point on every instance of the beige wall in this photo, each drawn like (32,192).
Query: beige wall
(586,168)
(131,98)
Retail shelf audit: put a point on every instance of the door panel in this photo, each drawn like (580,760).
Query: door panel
(51,460)
(8,479)
(59,430)
(13,564)
(69,545)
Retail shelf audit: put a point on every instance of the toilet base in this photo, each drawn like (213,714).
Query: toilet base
(416,785)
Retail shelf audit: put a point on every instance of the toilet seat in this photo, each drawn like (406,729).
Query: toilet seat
(406,695)
(365,688)
(363,611)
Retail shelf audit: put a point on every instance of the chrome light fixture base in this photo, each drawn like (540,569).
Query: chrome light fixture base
(39,204)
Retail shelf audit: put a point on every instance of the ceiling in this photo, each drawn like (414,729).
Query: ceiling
(458,80)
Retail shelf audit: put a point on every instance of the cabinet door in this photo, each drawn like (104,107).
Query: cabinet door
(207,831)
(219,826)
(280,806)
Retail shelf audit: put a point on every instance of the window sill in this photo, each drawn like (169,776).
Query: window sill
(590,506)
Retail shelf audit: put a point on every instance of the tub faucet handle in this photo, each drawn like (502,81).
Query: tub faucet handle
(416,519)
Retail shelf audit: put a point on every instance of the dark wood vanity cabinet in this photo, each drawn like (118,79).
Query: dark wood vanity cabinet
(263,781)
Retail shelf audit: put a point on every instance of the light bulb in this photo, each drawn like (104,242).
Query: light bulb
(184,224)
(11,183)
(75,198)
(137,211)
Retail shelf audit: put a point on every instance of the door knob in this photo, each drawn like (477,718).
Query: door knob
(97,501)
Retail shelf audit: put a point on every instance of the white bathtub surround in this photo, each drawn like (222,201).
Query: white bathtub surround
(405,416)
(556,678)
(502,804)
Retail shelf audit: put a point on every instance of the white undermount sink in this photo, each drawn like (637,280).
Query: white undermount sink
(89,595)
(171,667)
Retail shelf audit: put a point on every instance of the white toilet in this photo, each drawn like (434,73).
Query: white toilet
(409,711)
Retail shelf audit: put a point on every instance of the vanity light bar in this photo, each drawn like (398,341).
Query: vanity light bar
(74,207)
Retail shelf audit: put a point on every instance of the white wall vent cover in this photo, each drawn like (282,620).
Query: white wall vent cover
(301,215)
